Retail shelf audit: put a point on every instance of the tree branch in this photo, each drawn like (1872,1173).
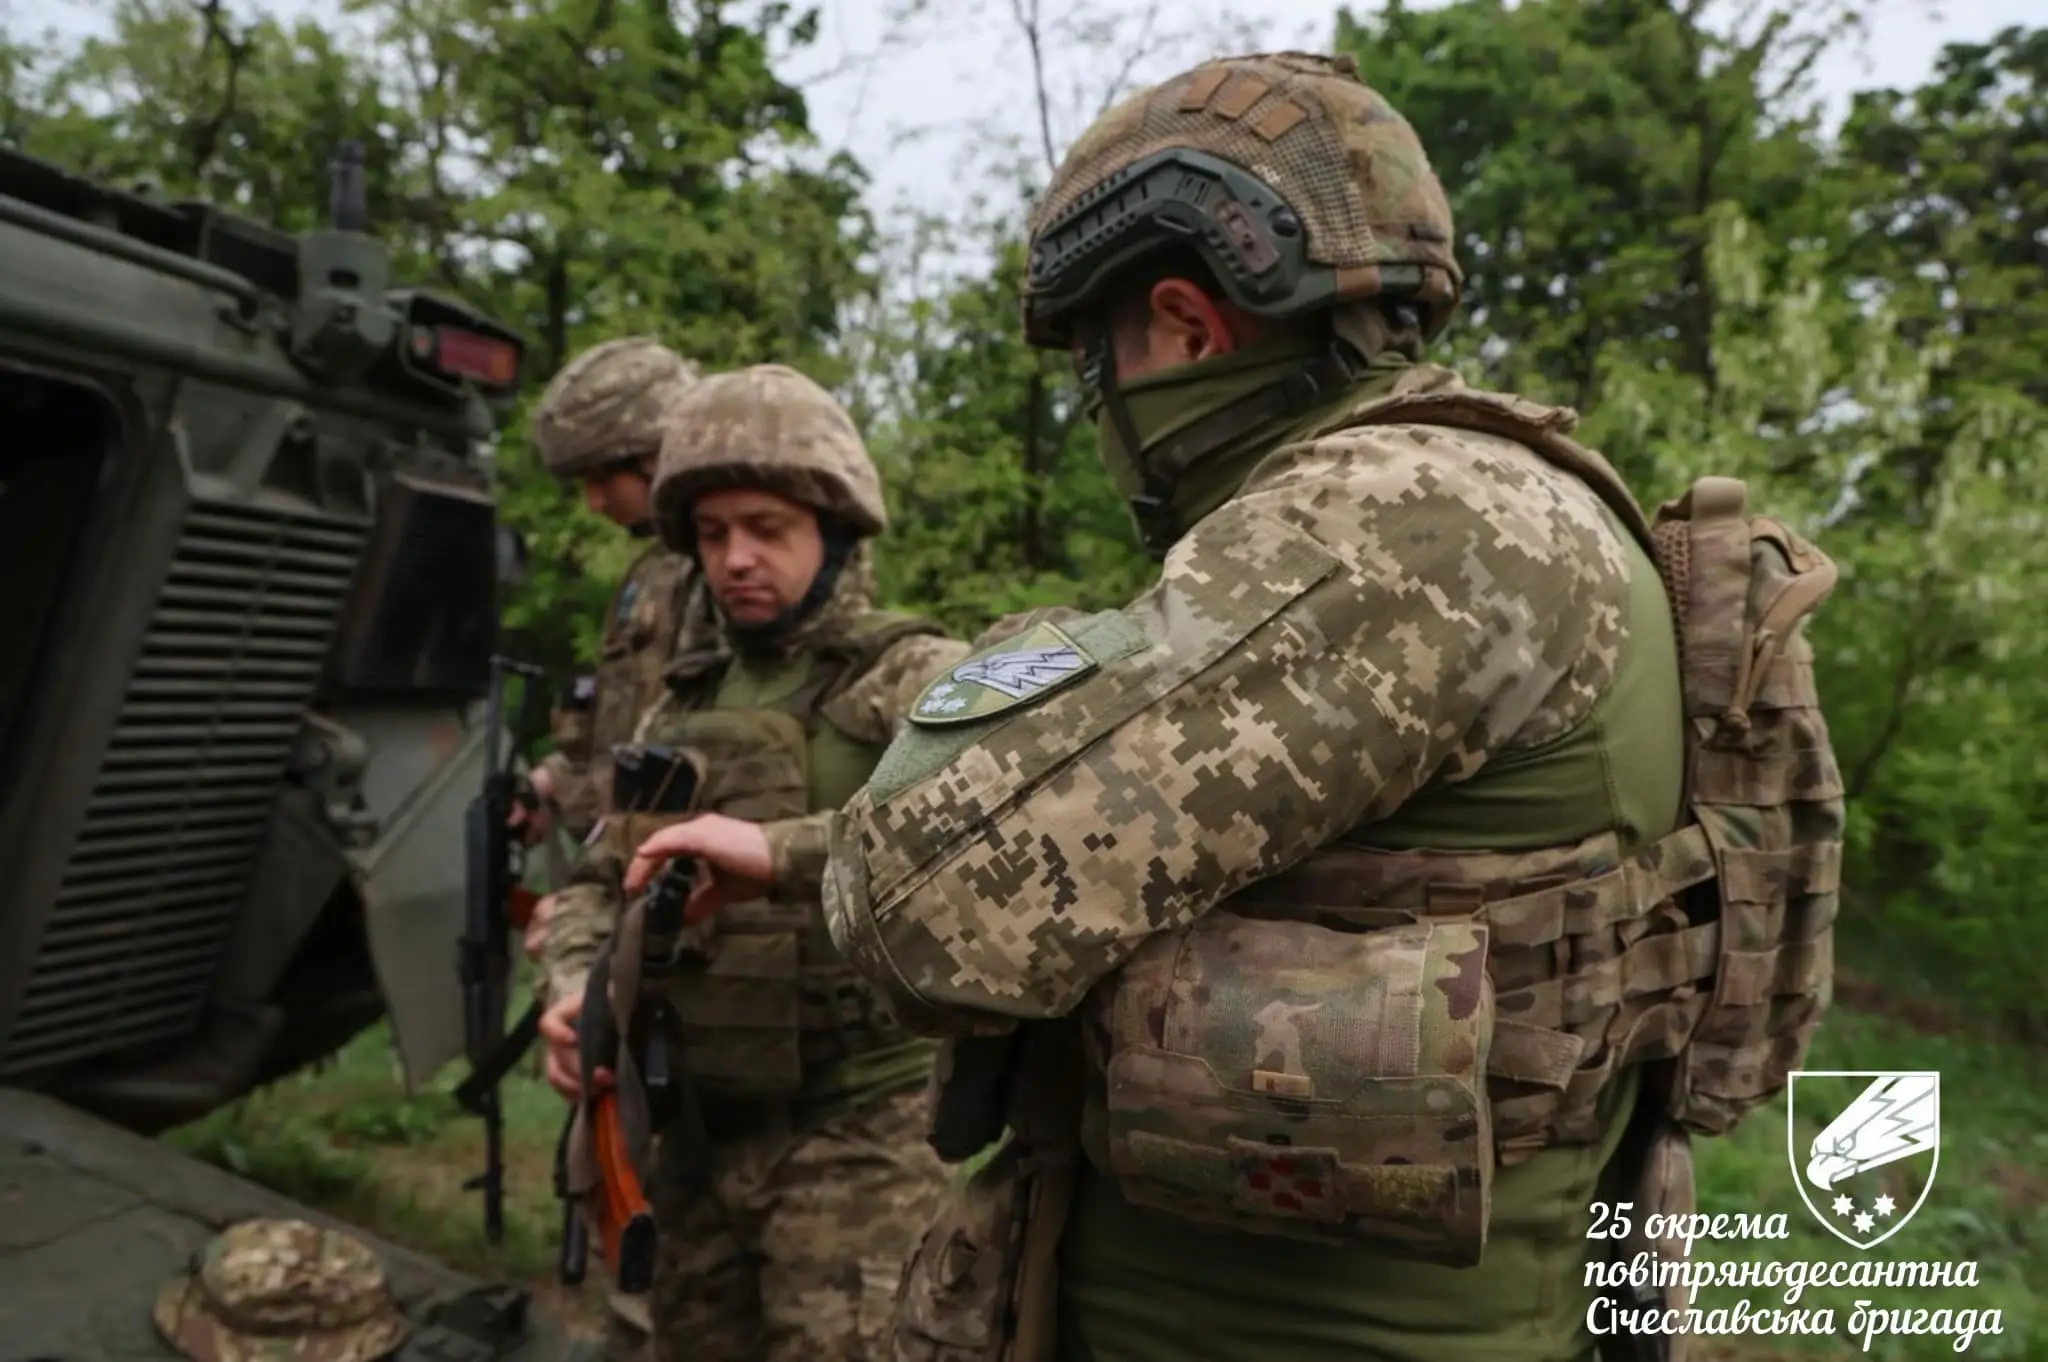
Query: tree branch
(1026,14)
(206,135)
(1905,676)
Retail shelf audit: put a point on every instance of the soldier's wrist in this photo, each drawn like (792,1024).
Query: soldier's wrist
(566,982)
(797,851)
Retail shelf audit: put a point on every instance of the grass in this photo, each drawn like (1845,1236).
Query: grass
(346,1139)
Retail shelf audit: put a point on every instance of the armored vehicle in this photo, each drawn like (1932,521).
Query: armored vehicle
(249,568)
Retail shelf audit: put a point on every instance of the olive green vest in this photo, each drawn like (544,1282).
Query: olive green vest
(774,1012)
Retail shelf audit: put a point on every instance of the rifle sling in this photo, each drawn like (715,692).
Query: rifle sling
(483,1079)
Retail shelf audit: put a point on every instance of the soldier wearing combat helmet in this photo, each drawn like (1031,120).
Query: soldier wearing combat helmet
(815,1178)
(599,424)
(1433,848)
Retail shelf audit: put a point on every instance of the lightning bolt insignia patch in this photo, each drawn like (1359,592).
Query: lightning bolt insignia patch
(1018,671)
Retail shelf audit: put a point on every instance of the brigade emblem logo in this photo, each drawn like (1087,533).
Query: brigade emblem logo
(1016,671)
(1859,1173)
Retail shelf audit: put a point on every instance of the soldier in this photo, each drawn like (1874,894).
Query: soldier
(1334,924)
(814,1103)
(599,422)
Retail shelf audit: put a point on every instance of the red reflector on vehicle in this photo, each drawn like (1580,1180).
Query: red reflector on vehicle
(468,355)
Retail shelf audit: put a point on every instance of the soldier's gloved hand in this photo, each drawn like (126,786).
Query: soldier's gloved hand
(733,851)
(536,938)
(558,1033)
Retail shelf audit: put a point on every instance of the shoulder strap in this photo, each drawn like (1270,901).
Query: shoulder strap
(1542,428)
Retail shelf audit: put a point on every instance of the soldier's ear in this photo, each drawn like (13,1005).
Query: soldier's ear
(1186,324)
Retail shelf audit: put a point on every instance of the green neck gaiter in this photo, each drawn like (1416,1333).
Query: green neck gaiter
(1164,404)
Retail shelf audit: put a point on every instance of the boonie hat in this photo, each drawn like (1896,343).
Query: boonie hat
(282,1291)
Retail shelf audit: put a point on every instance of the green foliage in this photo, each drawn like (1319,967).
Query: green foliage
(998,500)
(1657,226)
(1588,147)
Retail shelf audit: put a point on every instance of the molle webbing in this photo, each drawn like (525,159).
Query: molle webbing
(776,1002)
(1594,966)
(1707,954)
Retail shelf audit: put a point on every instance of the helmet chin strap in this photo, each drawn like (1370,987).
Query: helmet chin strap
(1322,376)
(1152,507)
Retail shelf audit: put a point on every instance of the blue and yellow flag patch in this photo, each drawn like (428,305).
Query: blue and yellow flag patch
(1016,672)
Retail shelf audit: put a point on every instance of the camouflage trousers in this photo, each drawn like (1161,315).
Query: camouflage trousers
(797,1252)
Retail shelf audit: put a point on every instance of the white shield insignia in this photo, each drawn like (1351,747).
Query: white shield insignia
(1870,1167)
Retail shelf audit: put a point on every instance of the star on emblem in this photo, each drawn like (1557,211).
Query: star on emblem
(942,699)
(1875,1119)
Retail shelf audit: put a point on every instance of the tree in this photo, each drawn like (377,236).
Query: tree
(578,168)
(1586,146)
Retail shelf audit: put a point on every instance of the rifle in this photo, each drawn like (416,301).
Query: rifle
(657,780)
(495,864)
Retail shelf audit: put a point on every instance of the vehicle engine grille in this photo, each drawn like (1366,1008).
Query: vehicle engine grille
(234,649)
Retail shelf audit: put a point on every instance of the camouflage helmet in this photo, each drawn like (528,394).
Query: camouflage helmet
(281,1291)
(607,405)
(772,428)
(1299,186)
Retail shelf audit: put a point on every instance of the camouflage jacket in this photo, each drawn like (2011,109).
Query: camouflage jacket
(868,709)
(1374,611)
(658,612)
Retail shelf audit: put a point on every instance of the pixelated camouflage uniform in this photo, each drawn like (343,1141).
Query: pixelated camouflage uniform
(814,1098)
(1323,911)
(281,1291)
(605,408)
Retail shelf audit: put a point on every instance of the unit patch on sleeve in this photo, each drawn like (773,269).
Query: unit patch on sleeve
(1015,672)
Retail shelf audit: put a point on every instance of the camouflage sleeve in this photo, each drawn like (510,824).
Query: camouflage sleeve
(1381,610)
(586,910)
(575,793)
(797,850)
(872,709)
(1009,626)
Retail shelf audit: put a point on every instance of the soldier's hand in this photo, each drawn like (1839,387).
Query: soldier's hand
(558,1033)
(536,938)
(533,823)
(733,853)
